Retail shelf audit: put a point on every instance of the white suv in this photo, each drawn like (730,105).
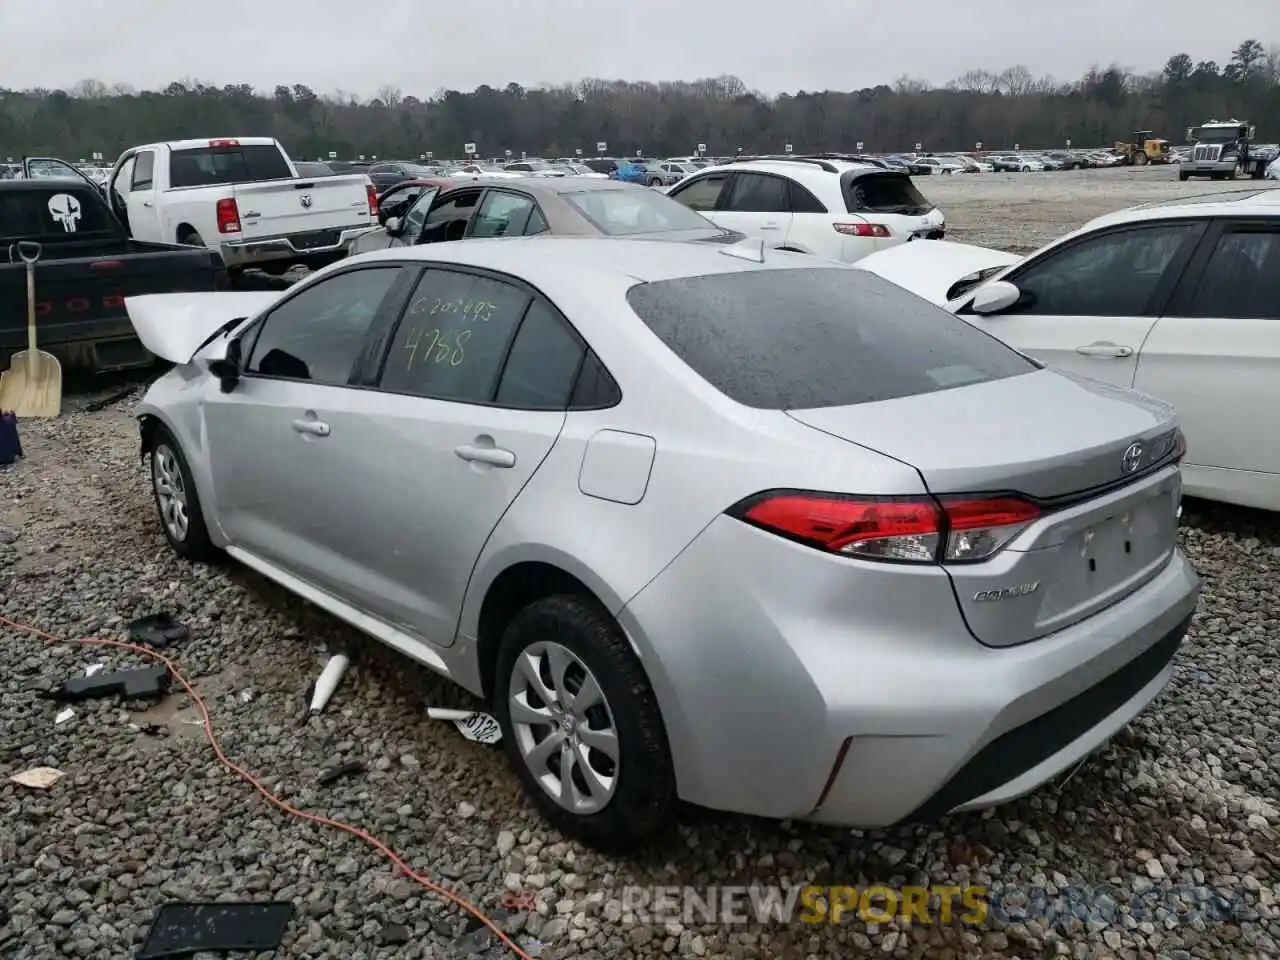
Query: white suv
(837,209)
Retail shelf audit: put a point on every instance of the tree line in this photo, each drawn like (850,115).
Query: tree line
(999,109)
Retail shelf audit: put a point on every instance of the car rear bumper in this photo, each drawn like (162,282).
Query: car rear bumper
(295,247)
(797,685)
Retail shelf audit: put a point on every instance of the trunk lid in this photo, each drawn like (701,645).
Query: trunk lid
(285,207)
(1106,527)
(889,198)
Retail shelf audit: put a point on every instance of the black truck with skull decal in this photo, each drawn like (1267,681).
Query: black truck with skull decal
(87,265)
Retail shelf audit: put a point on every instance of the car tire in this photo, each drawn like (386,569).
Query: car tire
(638,786)
(655,182)
(1183,176)
(177,502)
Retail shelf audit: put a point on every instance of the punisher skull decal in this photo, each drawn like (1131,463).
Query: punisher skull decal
(65,209)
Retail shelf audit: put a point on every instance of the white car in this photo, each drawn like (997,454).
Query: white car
(830,208)
(701,522)
(942,165)
(1273,169)
(1176,299)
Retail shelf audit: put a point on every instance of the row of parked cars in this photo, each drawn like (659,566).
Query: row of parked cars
(899,484)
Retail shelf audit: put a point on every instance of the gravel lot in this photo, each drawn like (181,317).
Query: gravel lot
(1185,798)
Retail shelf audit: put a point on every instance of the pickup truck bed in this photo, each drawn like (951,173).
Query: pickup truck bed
(84,274)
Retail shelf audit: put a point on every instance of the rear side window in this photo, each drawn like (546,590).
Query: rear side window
(759,193)
(454,337)
(213,165)
(886,192)
(817,337)
(543,364)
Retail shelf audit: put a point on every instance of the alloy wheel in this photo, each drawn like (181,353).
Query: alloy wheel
(564,728)
(171,492)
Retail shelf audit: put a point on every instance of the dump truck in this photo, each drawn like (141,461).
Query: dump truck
(1222,150)
(1143,149)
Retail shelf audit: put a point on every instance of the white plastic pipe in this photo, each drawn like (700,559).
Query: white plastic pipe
(330,677)
(444,713)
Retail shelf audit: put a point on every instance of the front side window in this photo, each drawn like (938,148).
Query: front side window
(701,194)
(447,219)
(1112,275)
(144,171)
(318,334)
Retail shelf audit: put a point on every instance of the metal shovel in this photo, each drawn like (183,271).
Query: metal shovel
(32,386)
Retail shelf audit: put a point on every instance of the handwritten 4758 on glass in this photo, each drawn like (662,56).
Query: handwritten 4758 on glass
(433,345)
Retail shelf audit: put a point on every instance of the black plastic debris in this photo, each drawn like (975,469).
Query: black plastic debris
(103,403)
(349,769)
(157,630)
(183,929)
(129,684)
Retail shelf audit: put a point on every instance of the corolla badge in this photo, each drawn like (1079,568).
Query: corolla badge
(1008,593)
(1132,458)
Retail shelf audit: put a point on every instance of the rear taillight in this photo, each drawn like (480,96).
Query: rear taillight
(862,229)
(215,144)
(372,192)
(1179,446)
(228,215)
(901,529)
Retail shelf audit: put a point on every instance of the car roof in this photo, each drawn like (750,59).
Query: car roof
(545,186)
(1228,203)
(792,167)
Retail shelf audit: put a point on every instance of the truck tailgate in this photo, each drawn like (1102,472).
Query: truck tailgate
(80,300)
(276,208)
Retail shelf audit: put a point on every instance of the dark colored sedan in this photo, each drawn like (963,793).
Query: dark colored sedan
(386,175)
(570,206)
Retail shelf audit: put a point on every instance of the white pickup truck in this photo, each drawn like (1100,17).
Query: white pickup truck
(242,198)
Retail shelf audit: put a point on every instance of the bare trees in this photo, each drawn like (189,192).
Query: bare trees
(999,108)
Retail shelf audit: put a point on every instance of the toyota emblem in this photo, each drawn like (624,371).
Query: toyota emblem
(305,200)
(1132,459)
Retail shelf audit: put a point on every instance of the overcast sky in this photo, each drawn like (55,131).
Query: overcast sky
(772,46)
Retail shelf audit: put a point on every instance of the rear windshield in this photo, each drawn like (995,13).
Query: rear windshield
(618,213)
(886,192)
(55,213)
(817,337)
(213,165)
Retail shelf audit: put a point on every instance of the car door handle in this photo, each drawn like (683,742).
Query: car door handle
(1104,348)
(494,456)
(315,428)
(147,203)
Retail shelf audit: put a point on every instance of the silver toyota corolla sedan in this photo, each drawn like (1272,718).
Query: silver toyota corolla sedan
(764,533)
